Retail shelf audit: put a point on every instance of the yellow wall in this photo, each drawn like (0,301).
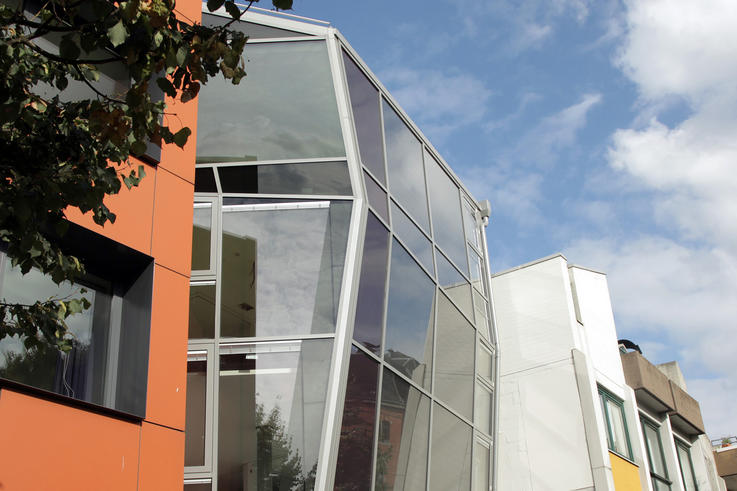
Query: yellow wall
(626,474)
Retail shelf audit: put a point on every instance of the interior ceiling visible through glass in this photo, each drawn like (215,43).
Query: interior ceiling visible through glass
(284,109)
(321,178)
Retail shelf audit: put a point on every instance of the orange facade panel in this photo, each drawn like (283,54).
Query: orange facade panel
(46,445)
(162,458)
(172,230)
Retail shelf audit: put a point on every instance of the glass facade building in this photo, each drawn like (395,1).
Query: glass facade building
(340,332)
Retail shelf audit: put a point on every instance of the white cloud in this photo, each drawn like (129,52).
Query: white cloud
(439,102)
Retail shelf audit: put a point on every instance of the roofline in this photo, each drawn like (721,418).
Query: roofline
(531,263)
(591,270)
(280,20)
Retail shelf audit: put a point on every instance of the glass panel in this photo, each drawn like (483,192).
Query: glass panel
(204,180)
(485,368)
(201,236)
(659,485)
(359,418)
(447,222)
(282,267)
(306,178)
(253,31)
(482,319)
(409,319)
(272,399)
(404,159)
(79,373)
(376,197)
(372,287)
(194,430)
(454,358)
(472,228)
(655,451)
(684,461)
(454,284)
(197,486)
(482,412)
(481,459)
(616,420)
(417,242)
(365,105)
(284,109)
(477,269)
(404,426)
(451,452)
(201,311)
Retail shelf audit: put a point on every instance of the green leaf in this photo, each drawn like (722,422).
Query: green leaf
(213,5)
(181,55)
(166,85)
(138,148)
(117,34)
(181,136)
(233,10)
(282,4)
(68,48)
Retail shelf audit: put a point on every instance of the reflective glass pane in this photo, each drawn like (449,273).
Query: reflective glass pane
(616,421)
(451,452)
(359,418)
(197,486)
(477,269)
(252,30)
(404,161)
(284,109)
(404,427)
(204,180)
(201,311)
(372,286)
(454,358)
(485,368)
(365,105)
(201,236)
(655,451)
(376,197)
(329,178)
(482,411)
(409,319)
(482,317)
(194,431)
(684,461)
(272,399)
(417,242)
(454,284)
(481,459)
(472,227)
(447,223)
(282,266)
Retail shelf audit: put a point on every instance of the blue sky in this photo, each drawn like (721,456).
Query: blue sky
(604,130)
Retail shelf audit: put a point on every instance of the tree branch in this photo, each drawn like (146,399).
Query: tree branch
(100,94)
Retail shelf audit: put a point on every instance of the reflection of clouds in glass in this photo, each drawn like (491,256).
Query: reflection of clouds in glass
(404,160)
(454,358)
(418,243)
(285,107)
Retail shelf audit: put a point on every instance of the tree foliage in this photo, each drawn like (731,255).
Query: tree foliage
(59,150)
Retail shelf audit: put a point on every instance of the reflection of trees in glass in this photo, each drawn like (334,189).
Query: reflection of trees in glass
(279,465)
(383,461)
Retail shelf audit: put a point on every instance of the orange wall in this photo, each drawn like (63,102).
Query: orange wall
(47,445)
(626,474)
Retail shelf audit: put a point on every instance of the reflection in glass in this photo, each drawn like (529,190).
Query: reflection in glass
(409,319)
(194,430)
(272,399)
(204,180)
(481,459)
(359,418)
(482,412)
(401,457)
(282,266)
(447,223)
(365,105)
(284,109)
(201,236)
(477,269)
(482,317)
(376,197)
(370,303)
(454,284)
(79,373)
(250,29)
(329,178)
(417,242)
(686,466)
(197,486)
(201,311)
(454,358)
(655,455)
(404,161)
(485,368)
(472,228)
(451,452)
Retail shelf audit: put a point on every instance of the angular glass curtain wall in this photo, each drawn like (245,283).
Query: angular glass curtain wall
(279,239)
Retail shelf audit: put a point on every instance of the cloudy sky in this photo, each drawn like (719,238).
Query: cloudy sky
(604,130)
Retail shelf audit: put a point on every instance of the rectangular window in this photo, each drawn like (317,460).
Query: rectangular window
(686,465)
(655,457)
(108,362)
(617,437)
